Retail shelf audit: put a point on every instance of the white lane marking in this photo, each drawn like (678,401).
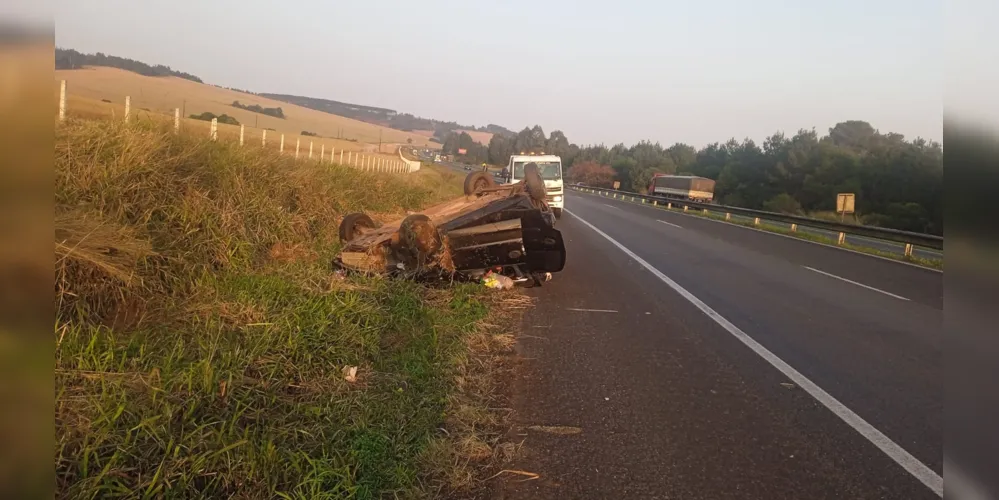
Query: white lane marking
(612,206)
(895,261)
(855,283)
(911,464)
(590,310)
(669,223)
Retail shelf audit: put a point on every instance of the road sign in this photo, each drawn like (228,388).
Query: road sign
(617,184)
(845,203)
(462,151)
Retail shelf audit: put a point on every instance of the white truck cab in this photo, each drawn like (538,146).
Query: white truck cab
(550,168)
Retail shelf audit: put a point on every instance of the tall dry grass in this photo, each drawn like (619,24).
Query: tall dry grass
(201,333)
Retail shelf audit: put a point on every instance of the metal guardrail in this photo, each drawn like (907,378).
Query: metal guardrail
(907,237)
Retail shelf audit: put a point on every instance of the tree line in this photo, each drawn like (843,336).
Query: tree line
(256,108)
(898,183)
(71,59)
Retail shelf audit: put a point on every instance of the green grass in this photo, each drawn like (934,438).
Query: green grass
(201,333)
(930,263)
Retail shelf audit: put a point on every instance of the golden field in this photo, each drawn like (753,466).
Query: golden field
(157,97)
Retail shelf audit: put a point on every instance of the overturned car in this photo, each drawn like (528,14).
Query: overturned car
(506,229)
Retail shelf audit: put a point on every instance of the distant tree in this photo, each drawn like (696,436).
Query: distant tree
(409,140)
(223,118)
(71,59)
(591,173)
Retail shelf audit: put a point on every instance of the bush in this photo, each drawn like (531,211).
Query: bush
(309,134)
(784,204)
(223,118)
(256,108)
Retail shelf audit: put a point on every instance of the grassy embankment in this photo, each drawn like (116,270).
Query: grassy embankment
(201,333)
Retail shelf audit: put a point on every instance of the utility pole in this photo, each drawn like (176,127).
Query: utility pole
(379,140)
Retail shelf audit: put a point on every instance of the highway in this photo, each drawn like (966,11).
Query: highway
(860,241)
(679,357)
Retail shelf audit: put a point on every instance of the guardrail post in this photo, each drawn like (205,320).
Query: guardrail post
(908,249)
(728,216)
(841,239)
(794,228)
(62,101)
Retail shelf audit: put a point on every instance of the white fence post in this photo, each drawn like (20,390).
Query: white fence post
(62,100)
(215,129)
(128,107)
(298,142)
(281,147)
(263,138)
(341,157)
(310,150)
(322,154)
(176,120)
(242,130)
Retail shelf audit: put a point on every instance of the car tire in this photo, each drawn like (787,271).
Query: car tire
(354,225)
(477,181)
(534,183)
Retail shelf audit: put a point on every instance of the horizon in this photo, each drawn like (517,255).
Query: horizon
(884,74)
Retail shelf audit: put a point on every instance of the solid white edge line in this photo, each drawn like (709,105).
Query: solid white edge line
(894,261)
(911,464)
(612,206)
(855,283)
(590,310)
(670,223)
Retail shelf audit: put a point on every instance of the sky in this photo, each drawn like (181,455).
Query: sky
(602,72)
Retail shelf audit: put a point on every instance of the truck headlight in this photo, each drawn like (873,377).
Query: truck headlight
(556,198)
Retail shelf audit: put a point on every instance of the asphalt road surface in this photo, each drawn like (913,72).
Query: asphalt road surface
(677,357)
(862,241)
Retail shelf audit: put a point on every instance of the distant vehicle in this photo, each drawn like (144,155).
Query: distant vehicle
(468,167)
(550,168)
(682,187)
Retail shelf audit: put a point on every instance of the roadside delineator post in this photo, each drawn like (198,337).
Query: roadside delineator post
(908,250)
(685,208)
(842,239)
(655,203)
(756,221)
(62,100)
(794,228)
(669,206)
(704,211)
(728,216)
(176,120)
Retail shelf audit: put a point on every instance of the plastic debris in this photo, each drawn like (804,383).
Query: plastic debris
(350,373)
(497,281)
